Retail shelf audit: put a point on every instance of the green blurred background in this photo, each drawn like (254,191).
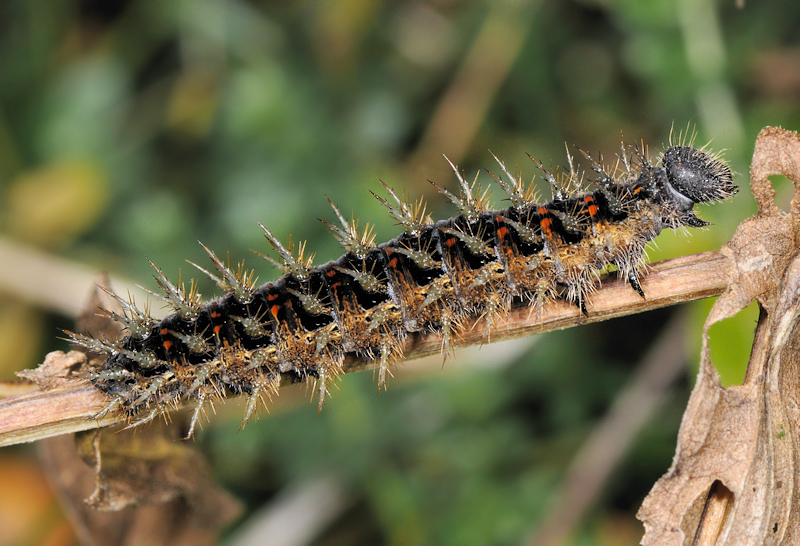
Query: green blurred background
(135,128)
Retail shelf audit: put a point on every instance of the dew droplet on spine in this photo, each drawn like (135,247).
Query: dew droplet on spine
(252,326)
(156,385)
(476,245)
(253,399)
(526,233)
(294,263)
(368,281)
(186,304)
(115,405)
(359,243)
(201,378)
(569,221)
(137,322)
(310,303)
(196,344)
(495,308)
(549,177)
(519,194)
(420,257)
(95,345)
(152,414)
(240,283)
(199,407)
(470,201)
(604,180)
(411,216)
(449,331)
(388,354)
(110,375)
(575,181)
(145,359)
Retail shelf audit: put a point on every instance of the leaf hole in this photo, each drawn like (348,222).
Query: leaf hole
(730,342)
(784,191)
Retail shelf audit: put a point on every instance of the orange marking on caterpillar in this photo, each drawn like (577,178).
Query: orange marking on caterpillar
(167,344)
(502,232)
(215,314)
(274,310)
(450,242)
(163,331)
(546,223)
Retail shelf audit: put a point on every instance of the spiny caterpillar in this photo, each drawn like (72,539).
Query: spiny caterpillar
(434,276)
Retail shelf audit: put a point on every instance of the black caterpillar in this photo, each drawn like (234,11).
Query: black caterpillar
(433,276)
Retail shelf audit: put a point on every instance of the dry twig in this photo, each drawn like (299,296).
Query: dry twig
(69,407)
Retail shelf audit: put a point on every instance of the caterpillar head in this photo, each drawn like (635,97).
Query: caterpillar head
(695,176)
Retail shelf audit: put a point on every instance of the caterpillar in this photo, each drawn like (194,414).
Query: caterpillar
(434,276)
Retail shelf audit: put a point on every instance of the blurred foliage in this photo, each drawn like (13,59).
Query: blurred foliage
(135,128)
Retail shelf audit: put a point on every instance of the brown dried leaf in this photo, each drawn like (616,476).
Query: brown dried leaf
(735,478)
(149,489)
(56,371)
(136,468)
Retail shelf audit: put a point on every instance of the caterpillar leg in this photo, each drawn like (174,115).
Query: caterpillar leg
(633,279)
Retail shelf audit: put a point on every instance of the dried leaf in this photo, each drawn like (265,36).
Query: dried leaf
(149,488)
(56,370)
(735,478)
(136,468)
